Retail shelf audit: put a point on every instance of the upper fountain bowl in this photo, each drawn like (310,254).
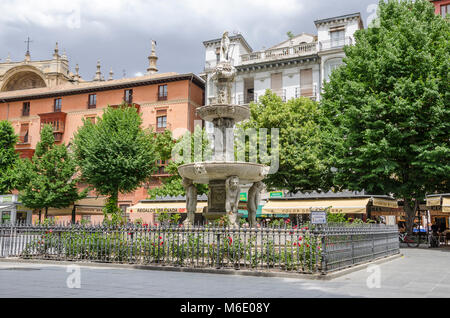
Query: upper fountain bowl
(203,172)
(213,111)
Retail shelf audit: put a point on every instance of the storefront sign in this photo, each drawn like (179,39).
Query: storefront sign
(276,194)
(318,217)
(243,196)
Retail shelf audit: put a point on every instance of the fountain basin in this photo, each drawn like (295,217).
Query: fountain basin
(213,111)
(204,172)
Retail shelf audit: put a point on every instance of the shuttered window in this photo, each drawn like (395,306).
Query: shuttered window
(306,82)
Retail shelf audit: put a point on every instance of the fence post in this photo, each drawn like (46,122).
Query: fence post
(324,255)
(353,249)
(218,250)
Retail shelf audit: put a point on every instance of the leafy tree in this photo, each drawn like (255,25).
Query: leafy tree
(48,180)
(166,145)
(290,35)
(303,132)
(8,157)
(115,155)
(390,103)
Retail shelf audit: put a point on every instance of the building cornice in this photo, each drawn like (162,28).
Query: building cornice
(104,87)
(277,63)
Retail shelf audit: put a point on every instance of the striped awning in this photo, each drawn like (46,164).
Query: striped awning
(158,207)
(349,206)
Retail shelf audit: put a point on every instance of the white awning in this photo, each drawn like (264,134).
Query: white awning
(350,206)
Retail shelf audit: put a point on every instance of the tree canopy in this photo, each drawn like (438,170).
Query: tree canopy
(390,104)
(166,147)
(8,157)
(49,179)
(303,133)
(115,155)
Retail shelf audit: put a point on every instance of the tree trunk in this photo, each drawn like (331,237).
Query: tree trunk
(40,216)
(410,207)
(46,213)
(74,214)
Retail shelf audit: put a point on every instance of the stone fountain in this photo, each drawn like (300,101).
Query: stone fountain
(223,174)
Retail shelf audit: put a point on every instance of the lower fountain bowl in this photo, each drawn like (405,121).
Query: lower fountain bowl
(203,172)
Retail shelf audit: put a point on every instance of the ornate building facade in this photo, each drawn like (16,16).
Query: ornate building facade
(293,68)
(34,93)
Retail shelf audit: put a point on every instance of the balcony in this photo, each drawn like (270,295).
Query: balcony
(157,129)
(279,53)
(161,97)
(309,91)
(57,120)
(243,100)
(335,43)
(24,140)
(137,106)
(281,93)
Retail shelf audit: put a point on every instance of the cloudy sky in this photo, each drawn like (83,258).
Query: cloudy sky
(119,32)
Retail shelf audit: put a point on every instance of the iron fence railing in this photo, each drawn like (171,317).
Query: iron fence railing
(307,249)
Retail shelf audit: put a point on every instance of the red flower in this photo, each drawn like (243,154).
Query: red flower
(295,244)
(300,238)
(161,243)
(160,238)
(230,240)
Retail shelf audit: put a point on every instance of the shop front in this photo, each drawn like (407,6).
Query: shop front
(148,210)
(353,205)
(11,210)
(439,207)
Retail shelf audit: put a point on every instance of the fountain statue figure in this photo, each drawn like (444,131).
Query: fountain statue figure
(223,175)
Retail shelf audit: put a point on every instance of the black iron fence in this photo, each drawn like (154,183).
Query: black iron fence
(307,249)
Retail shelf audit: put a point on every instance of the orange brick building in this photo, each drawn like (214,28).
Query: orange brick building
(442,7)
(166,101)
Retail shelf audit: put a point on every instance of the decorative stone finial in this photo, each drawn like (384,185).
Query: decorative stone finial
(111,75)
(8,59)
(56,52)
(98,75)
(77,74)
(152,60)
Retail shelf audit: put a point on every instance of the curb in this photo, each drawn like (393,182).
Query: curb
(236,272)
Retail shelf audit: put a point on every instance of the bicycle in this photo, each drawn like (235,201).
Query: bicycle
(412,240)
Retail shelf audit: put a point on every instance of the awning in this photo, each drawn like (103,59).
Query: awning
(169,207)
(92,201)
(435,201)
(58,212)
(445,204)
(7,207)
(385,203)
(350,206)
(89,210)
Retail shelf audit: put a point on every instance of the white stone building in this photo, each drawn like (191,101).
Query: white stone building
(293,68)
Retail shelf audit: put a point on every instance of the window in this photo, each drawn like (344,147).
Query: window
(26,109)
(337,38)
(24,137)
(330,66)
(92,102)
(57,105)
(128,96)
(91,118)
(445,9)
(162,92)
(161,122)
(306,82)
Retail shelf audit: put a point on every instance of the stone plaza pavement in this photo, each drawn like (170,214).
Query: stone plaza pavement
(419,273)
